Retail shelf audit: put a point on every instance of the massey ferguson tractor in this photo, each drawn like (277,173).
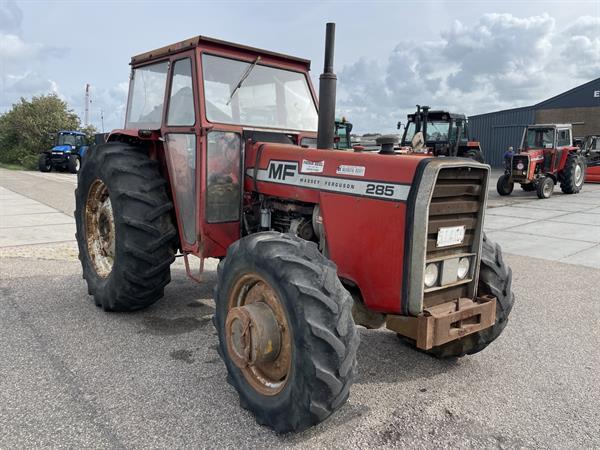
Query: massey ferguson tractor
(440,133)
(547,156)
(591,152)
(312,241)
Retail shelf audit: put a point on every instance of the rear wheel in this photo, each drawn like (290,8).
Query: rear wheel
(545,187)
(73,163)
(44,163)
(124,228)
(573,174)
(495,278)
(285,330)
(505,186)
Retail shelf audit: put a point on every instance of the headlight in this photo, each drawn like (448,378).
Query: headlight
(463,268)
(520,166)
(431,275)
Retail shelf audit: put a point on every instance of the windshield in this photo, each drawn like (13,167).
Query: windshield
(436,131)
(539,138)
(267,97)
(66,139)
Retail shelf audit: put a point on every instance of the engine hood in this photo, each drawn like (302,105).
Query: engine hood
(61,148)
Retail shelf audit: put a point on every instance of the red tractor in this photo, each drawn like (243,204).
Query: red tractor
(547,157)
(214,162)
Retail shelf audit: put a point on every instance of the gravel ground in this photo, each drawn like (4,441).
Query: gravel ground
(74,376)
(71,375)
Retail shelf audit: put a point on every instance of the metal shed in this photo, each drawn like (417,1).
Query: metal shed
(498,130)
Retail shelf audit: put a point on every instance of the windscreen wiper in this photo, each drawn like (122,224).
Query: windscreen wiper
(243,78)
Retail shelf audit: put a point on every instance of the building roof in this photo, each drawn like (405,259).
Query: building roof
(579,96)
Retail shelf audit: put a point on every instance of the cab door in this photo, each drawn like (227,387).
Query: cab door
(180,131)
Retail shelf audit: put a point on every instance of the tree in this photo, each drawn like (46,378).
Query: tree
(27,128)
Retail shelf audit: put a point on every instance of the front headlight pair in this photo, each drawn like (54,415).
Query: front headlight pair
(432,271)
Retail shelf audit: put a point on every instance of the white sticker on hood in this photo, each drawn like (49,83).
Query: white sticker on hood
(312,166)
(357,171)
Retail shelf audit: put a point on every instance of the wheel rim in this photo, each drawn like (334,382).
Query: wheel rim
(100,229)
(578,174)
(548,187)
(258,336)
(77,164)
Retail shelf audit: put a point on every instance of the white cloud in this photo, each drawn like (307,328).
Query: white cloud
(500,61)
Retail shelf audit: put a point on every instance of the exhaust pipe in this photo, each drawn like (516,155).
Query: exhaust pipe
(327,82)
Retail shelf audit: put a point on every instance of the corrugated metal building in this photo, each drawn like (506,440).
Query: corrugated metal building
(498,130)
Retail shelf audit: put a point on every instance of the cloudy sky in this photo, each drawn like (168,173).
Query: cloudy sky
(468,56)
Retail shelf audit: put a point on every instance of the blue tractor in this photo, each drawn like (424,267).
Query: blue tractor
(67,153)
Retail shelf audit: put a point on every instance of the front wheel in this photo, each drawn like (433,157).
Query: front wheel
(285,330)
(505,185)
(73,163)
(545,187)
(44,163)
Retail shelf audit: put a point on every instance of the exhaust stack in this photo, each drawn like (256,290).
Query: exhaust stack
(327,83)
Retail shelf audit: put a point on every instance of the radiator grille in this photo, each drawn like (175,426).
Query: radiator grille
(457,199)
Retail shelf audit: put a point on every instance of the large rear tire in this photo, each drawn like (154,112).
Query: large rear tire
(573,174)
(309,374)
(124,228)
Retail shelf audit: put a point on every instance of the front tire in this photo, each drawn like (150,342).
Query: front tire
(495,278)
(44,163)
(125,232)
(505,186)
(308,377)
(73,163)
(545,187)
(573,174)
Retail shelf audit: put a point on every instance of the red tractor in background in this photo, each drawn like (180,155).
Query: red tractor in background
(440,133)
(214,162)
(547,156)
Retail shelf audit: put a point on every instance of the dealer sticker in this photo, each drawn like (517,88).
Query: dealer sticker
(450,236)
(357,171)
(312,166)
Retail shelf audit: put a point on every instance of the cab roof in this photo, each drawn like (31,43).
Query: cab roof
(201,41)
(439,115)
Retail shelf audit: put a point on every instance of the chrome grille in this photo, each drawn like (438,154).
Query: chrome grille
(458,199)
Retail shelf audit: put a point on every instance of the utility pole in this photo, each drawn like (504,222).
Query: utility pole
(102,119)
(86,116)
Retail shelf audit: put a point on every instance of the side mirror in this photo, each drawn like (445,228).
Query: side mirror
(398,125)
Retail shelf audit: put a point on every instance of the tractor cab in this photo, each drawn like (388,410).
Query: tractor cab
(342,140)
(439,132)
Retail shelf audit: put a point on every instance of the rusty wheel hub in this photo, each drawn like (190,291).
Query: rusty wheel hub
(257,334)
(100,229)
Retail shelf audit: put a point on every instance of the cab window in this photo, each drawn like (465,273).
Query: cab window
(146,96)
(181,100)
(564,138)
(223,177)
